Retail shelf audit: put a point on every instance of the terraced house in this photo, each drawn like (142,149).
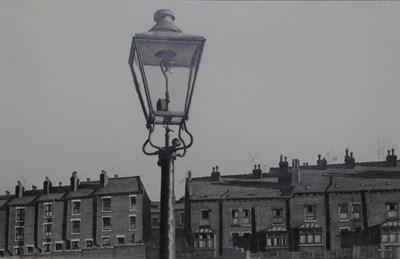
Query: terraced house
(316,208)
(81,217)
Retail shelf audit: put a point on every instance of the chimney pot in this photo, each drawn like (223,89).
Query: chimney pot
(59,183)
(88,179)
(116,176)
(7,193)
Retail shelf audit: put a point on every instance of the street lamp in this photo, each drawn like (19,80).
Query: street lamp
(164,64)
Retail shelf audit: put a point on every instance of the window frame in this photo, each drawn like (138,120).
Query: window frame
(346,214)
(394,211)
(246,221)
(73,228)
(102,204)
(46,213)
(235,220)
(277,219)
(20,217)
(117,239)
(45,231)
(132,208)
(73,208)
(130,223)
(205,221)
(104,227)
(102,241)
(310,216)
(353,206)
(16,235)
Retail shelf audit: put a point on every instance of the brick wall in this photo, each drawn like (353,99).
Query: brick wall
(376,205)
(86,219)
(56,222)
(119,214)
(28,224)
(3,221)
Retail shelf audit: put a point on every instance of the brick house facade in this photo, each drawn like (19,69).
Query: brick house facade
(71,218)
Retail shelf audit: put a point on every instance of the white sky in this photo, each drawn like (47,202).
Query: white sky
(276,77)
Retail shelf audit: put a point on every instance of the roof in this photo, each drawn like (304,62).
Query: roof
(313,181)
(204,231)
(2,202)
(309,225)
(24,200)
(230,187)
(390,224)
(51,196)
(276,229)
(79,193)
(366,178)
(120,185)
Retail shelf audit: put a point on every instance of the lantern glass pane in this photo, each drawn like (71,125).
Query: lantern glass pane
(169,103)
(140,84)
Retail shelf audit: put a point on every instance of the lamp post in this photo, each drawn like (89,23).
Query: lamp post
(164,64)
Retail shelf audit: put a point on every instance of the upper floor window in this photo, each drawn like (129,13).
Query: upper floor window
(343,212)
(19,234)
(182,218)
(121,240)
(246,217)
(76,227)
(47,230)
(75,244)
(356,211)
(106,223)
(310,212)
(277,216)
(132,202)
(76,207)
(391,209)
(20,214)
(235,217)
(106,204)
(205,218)
(132,222)
(48,210)
(155,221)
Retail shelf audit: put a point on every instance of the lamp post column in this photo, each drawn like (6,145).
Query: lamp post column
(167,199)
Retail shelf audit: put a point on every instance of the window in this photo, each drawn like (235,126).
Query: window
(310,212)
(29,249)
(182,218)
(47,230)
(106,204)
(343,212)
(47,247)
(132,222)
(203,240)
(310,236)
(277,216)
(76,207)
(75,244)
(59,246)
(19,251)
(235,217)
(390,235)
(235,239)
(132,200)
(155,222)
(76,227)
(19,234)
(246,217)
(106,241)
(20,214)
(121,240)
(391,210)
(89,243)
(106,223)
(205,218)
(276,239)
(48,210)
(356,211)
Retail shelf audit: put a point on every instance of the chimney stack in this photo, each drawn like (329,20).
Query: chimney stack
(215,175)
(116,176)
(296,173)
(391,159)
(349,161)
(60,183)
(74,181)
(257,172)
(34,187)
(7,193)
(47,186)
(283,165)
(19,190)
(322,164)
(103,178)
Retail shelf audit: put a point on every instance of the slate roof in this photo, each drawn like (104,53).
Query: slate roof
(231,187)
(2,202)
(51,197)
(79,193)
(121,185)
(366,178)
(24,200)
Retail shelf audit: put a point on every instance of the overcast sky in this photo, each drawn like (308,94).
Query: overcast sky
(292,78)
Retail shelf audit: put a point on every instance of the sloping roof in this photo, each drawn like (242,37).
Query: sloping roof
(390,224)
(2,202)
(25,200)
(276,229)
(51,196)
(204,231)
(231,188)
(313,181)
(366,178)
(120,185)
(309,225)
(79,193)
